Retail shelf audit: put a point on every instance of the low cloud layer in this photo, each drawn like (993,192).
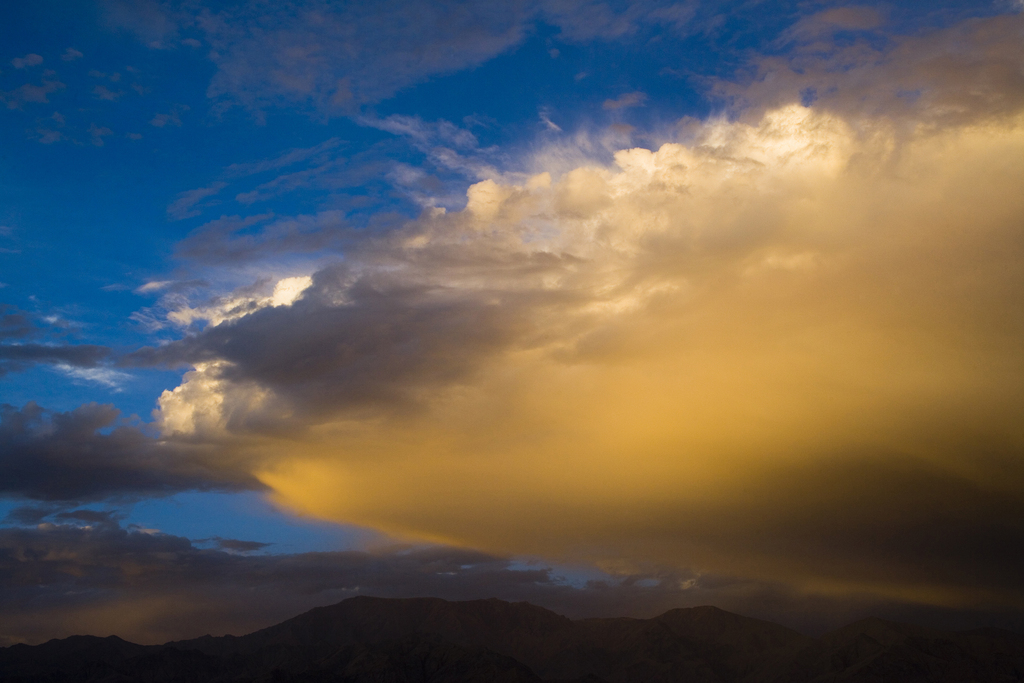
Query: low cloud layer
(82,572)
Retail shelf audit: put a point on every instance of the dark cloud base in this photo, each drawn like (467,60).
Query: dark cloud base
(30,347)
(90,453)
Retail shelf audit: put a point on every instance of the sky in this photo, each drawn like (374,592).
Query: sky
(614,307)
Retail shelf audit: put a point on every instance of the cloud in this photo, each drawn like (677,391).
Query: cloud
(27,345)
(230,239)
(26,61)
(71,54)
(101,92)
(585,20)
(105,376)
(79,571)
(153,22)
(174,286)
(633,99)
(154,286)
(14,323)
(29,93)
(234,545)
(97,133)
(184,206)
(240,303)
(447,146)
(289,158)
(90,454)
(333,59)
(285,183)
(14,357)
(967,73)
(824,24)
(84,566)
(770,349)
(783,347)
(172,118)
(545,118)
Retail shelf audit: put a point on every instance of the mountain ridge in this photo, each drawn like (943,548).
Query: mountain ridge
(430,640)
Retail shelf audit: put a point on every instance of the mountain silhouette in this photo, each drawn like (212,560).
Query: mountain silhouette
(429,640)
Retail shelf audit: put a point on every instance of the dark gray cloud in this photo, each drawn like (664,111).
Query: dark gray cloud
(233,544)
(14,324)
(90,454)
(14,357)
(371,340)
(27,344)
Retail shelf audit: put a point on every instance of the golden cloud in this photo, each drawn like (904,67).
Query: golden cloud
(790,349)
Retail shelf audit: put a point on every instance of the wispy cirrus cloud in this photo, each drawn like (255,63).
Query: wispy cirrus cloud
(333,60)
(105,376)
(287,182)
(632,99)
(185,205)
(283,160)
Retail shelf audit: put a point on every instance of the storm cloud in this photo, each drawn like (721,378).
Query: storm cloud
(785,348)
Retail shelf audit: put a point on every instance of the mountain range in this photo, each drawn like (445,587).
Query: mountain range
(429,640)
